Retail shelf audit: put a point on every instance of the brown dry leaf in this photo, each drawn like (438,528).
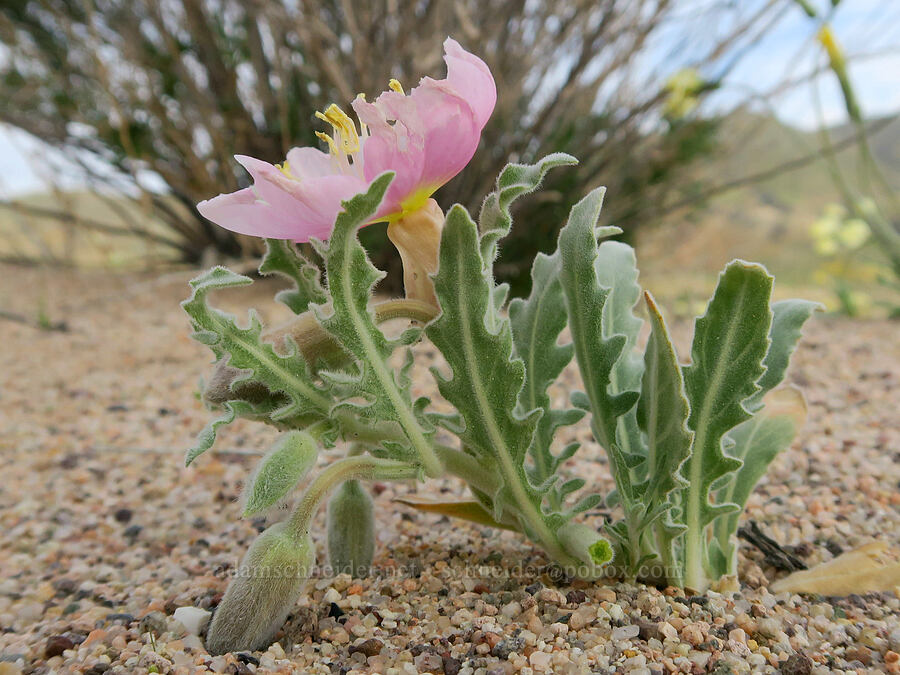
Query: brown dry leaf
(467,509)
(870,568)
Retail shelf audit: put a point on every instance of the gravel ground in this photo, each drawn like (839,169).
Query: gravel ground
(103,534)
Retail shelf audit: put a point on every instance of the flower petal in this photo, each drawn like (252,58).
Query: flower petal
(310,163)
(241,212)
(280,207)
(429,136)
(471,79)
(396,143)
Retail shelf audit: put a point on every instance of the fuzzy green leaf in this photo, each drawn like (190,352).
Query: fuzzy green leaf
(596,354)
(788,317)
(662,414)
(616,269)
(536,324)
(244,349)
(207,437)
(756,443)
(494,220)
(351,278)
(279,472)
(485,378)
(283,258)
(730,342)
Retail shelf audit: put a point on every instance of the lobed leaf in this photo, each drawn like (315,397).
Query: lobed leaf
(245,350)
(485,378)
(351,278)
(283,258)
(537,322)
(207,437)
(730,342)
(662,415)
(495,220)
(596,353)
(755,443)
(616,269)
(788,317)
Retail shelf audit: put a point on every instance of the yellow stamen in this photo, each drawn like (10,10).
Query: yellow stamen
(332,146)
(345,129)
(285,168)
(396,86)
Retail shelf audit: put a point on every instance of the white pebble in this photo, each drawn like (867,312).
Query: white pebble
(539,660)
(193,619)
(331,595)
(625,632)
(511,610)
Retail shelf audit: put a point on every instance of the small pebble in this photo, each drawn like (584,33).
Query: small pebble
(369,647)
(56,645)
(797,664)
(193,619)
(625,633)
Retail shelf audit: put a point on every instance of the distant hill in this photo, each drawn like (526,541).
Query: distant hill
(767,221)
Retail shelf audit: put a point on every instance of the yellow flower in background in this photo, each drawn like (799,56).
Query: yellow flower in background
(854,233)
(683,88)
(825,229)
(835,231)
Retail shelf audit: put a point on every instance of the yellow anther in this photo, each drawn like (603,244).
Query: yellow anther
(345,129)
(396,86)
(361,95)
(285,168)
(332,146)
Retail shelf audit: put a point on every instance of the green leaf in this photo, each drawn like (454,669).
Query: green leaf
(730,343)
(536,324)
(207,437)
(485,378)
(596,353)
(495,220)
(662,414)
(244,349)
(756,443)
(283,258)
(351,278)
(279,472)
(788,317)
(616,269)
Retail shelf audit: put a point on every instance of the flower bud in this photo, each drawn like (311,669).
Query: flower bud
(263,591)
(351,530)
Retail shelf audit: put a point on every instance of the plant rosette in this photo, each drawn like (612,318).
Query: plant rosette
(685,443)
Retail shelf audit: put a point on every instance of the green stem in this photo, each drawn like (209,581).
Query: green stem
(359,467)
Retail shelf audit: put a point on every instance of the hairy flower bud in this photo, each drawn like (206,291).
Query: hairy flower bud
(264,590)
(351,529)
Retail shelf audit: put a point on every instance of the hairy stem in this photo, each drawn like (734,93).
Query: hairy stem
(359,467)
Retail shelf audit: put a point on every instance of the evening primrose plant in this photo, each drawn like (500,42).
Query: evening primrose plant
(685,444)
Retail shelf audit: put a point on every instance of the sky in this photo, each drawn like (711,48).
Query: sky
(869,31)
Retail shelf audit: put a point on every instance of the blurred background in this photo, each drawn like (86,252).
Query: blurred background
(760,129)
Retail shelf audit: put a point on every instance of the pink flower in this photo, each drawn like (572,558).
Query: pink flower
(426,138)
